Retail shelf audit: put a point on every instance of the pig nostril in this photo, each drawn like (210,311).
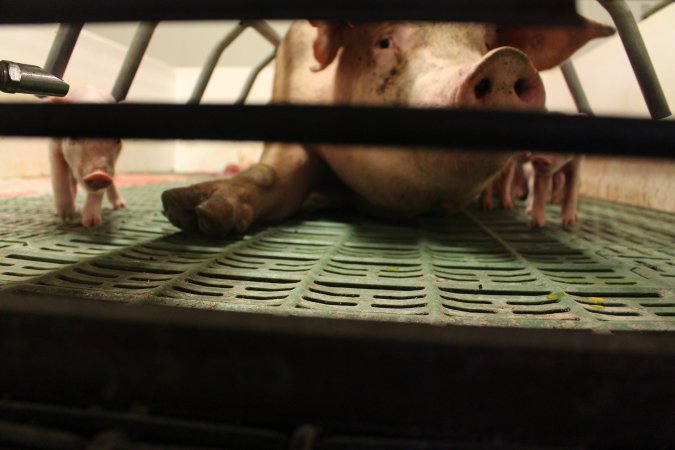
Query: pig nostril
(522,88)
(483,88)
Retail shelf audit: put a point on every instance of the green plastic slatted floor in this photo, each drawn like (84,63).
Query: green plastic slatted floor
(615,272)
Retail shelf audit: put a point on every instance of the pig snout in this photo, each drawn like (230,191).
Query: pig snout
(504,79)
(97,180)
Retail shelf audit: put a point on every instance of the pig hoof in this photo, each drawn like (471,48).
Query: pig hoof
(507,204)
(486,203)
(213,208)
(91,221)
(119,204)
(569,220)
(538,221)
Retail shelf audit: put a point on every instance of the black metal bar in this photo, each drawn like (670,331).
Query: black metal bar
(132,60)
(463,129)
(518,385)
(639,57)
(62,48)
(498,11)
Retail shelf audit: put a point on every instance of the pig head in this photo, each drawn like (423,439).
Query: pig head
(89,163)
(430,65)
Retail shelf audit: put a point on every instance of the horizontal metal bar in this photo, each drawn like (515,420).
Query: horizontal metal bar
(498,11)
(454,128)
(522,385)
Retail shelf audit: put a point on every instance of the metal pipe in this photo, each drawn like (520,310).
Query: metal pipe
(133,59)
(446,128)
(62,48)
(253,76)
(576,89)
(264,28)
(638,56)
(504,12)
(656,8)
(212,61)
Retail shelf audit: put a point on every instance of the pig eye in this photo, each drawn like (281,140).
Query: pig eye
(384,43)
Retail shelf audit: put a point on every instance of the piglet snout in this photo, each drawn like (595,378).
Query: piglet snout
(504,79)
(97,180)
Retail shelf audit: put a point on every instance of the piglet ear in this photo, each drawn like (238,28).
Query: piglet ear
(548,47)
(327,43)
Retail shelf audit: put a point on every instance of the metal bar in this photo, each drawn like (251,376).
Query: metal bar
(212,62)
(520,385)
(264,28)
(453,128)
(246,90)
(133,59)
(62,48)
(656,8)
(498,11)
(639,57)
(576,89)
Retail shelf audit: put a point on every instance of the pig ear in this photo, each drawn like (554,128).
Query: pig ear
(548,47)
(327,43)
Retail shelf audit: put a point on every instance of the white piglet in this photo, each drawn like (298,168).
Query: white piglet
(84,161)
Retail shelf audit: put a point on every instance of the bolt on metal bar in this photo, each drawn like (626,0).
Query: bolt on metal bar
(576,89)
(133,59)
(246,90)
(212,61)
(639,57)
(62,48)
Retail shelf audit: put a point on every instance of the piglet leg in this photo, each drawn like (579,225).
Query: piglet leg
(568,212)
(115,197)
(91,213)
(63,183)
(486,196)
(540,195)
(268,191)
(506,188)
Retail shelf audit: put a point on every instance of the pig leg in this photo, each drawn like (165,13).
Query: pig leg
(91,213)
(540,195)
(486,196)
(568,212)
(63,183)
(268,191)
(528,171)
(115,197)
(505,191)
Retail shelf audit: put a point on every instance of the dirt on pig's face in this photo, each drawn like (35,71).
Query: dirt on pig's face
(408,63)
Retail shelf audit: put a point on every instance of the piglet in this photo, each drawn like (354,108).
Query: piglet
(87,162)
(553,178)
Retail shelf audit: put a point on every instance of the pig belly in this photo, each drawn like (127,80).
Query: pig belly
(404,182)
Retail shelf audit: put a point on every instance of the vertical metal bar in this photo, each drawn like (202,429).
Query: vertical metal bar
(638,56)
(133,59)
(62,48)
(212,61)
(576,89)
(246,90)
